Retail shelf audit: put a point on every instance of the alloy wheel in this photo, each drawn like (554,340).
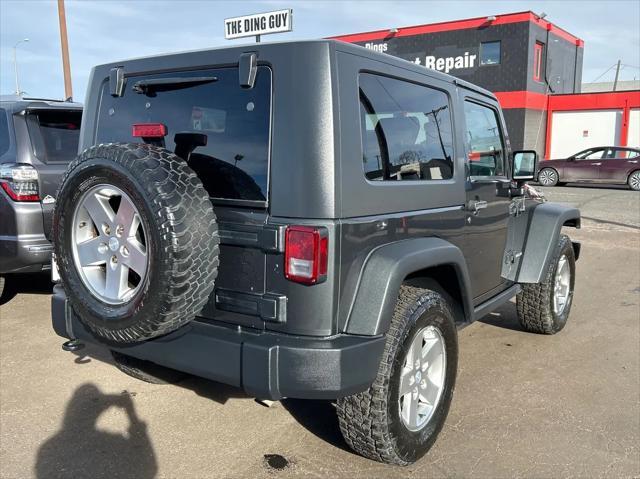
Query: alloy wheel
(422,378)
(109,244)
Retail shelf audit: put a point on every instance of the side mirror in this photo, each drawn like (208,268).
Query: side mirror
(524,165)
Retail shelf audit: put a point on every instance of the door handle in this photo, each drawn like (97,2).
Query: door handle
(476,205)
(596,164)
(632,161)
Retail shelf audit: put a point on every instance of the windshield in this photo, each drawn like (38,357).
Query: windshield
(54,134)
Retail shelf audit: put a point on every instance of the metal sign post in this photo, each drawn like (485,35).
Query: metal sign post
(259,24)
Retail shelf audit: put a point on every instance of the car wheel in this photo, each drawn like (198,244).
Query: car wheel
(146,370)
(634,180)
(136,241)
(544,307)
(398,418)
(548,177)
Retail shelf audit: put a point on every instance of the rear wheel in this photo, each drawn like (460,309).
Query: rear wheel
(398,418)
(146,370)
(548,177)
(634,180)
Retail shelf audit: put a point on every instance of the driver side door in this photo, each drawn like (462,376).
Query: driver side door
(487,199)
(585,166)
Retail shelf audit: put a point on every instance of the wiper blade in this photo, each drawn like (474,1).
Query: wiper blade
(149,87)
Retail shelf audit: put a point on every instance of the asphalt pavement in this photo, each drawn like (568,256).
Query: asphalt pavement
(525,405)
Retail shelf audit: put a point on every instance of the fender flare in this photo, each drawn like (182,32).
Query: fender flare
(544,228)
(386,269)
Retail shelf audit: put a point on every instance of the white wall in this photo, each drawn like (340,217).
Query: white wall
(634,128)
(573,131)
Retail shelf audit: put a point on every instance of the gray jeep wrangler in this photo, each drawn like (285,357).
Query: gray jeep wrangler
(305,220)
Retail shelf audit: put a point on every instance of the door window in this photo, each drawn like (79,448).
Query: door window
(591,155)
(485,145)
(406,130)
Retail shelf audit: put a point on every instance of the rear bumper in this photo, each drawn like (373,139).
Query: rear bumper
(24,254)
(265,364)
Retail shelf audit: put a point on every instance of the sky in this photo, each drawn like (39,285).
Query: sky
(101,31)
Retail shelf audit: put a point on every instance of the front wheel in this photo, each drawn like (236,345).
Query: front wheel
(398,418)
(634,181)
(548,177)
(544,307)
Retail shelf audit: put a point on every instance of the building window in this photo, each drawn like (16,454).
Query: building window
(490,53)
(406,130)
(538,61)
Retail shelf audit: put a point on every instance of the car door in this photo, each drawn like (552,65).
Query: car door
(617,163)
(585,166)
(487,201)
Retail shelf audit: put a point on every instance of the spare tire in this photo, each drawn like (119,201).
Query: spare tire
(136,241)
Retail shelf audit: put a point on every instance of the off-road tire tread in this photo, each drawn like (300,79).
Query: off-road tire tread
(189,234)
(533,303)
(363,417)
(145,370)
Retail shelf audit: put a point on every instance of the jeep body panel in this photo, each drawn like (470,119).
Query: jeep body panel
(386,269)
(275,337)
(542,234)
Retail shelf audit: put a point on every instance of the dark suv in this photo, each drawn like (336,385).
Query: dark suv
(38,139)
(306,220)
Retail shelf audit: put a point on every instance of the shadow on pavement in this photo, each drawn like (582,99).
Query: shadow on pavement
(79,449)
(37,283)
(504,317)
(319,418)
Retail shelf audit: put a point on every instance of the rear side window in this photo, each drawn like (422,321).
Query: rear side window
(624,154)
(54,134)
(234,162)
(4,132)
(485,148)
(406,130)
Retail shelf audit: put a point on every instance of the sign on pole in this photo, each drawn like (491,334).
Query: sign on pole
(258,24)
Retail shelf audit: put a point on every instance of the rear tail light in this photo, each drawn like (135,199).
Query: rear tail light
(306,253)
(149,130)
(20,182)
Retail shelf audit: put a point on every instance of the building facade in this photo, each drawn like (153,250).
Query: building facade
(520,57)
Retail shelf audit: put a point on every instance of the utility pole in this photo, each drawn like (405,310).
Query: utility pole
(15,64)
(66,66)
(615,82)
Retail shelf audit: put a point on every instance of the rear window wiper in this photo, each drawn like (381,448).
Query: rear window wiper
(149,87)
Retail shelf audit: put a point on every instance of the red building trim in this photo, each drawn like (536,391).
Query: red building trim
(475,23)
(619,100)
(522,99)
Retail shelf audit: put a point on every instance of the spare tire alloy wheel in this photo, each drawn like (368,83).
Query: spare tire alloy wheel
(109,248)
(136,241)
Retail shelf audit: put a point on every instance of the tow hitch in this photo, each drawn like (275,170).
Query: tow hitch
(72,345)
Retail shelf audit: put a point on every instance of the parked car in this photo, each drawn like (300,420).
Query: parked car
(604,164)
(303,220)
(38,139)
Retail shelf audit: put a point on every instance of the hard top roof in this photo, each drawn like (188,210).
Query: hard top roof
(335,45)
(15,103)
